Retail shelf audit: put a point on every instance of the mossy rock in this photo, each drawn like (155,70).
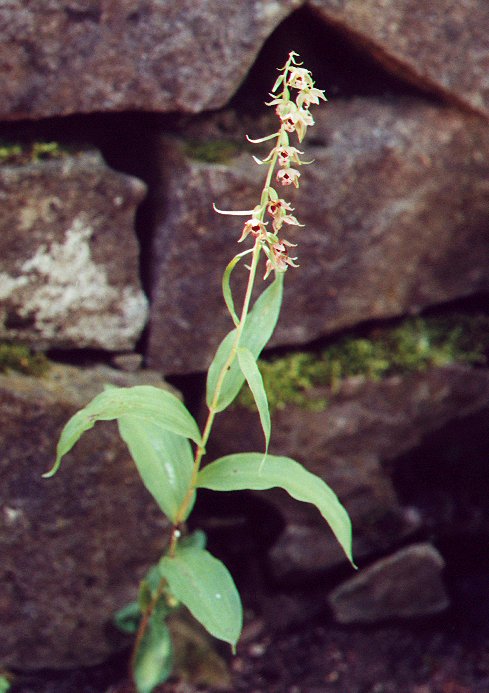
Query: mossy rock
(17,357)
(414,344)
(20,153)
(212,151)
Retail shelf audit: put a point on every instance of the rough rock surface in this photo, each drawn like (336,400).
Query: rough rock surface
(69,256)
(407,584)
(441,46)
(80,56)
(74,546)
(396,208)
(365,425)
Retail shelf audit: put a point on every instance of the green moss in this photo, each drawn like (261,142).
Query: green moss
(415,344)
(212,151)
(27,153)
(16,357)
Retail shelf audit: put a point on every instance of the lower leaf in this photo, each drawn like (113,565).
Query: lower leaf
(204,585)
(247,470)
(154,658)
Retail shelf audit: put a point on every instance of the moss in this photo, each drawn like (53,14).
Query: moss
(26,153)
(16,357)
(212,151)
(414,344)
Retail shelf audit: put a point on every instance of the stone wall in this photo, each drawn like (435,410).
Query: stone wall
(111,259)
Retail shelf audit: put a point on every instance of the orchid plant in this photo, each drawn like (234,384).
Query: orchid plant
(165,441)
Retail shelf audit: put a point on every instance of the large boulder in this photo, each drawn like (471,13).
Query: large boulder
(365,426)
(74,546)
(69,257)
(439,46)
(81,56)
(396,208)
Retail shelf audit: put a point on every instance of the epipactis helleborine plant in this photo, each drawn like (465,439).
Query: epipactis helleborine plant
(168,447)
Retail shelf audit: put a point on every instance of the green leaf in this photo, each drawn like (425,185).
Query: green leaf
(226,288)
(4,684)
(205,586)
(257,330)
(248,471)
(154,658)
(250,370)
(148,404)
(164,461)
(127,619)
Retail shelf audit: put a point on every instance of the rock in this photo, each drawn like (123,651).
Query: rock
(365,425)
(407,584)
(82,56)
(441,47)
(395,207)
(73,547)
(69,255)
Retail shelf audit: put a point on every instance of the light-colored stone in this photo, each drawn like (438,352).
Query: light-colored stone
(73,547)
(80,56)
(395,207)
(69,255)
(407,584)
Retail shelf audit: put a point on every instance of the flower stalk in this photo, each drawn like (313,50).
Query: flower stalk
(295,117)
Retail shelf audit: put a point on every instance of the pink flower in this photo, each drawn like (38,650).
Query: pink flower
(278,258)
(289,176)
(300,78)
(253,226)
(278,211)
(288,154)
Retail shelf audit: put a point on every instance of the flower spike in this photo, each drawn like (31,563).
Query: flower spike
(292,96)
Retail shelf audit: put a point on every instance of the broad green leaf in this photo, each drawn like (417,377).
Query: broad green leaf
(248,471)
(164,461)
(205,586)
(257,330)
(154,658)
(148,404)
(251,372)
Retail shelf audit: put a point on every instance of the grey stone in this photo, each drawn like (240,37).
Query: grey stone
(81,56)
(365,425)
(442,47)
(69,256)
(407,584)
(396,206)
(73,547)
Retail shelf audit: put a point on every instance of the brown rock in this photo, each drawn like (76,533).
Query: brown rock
(443,47)
(364,426)
(73,547)
(69,255)
(81,56)
(407,584)
(396,206)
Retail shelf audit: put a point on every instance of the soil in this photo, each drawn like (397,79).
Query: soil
(441,657)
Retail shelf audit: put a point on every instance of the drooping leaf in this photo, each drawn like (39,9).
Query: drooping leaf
(205,586)
(226,288)
(251,372)
(150,405)
(257,330)
(248,471)
(164,461)
(154,658)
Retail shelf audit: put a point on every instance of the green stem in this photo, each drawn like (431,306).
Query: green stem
(200,451)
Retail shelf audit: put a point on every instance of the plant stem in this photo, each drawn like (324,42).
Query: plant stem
(200,451)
